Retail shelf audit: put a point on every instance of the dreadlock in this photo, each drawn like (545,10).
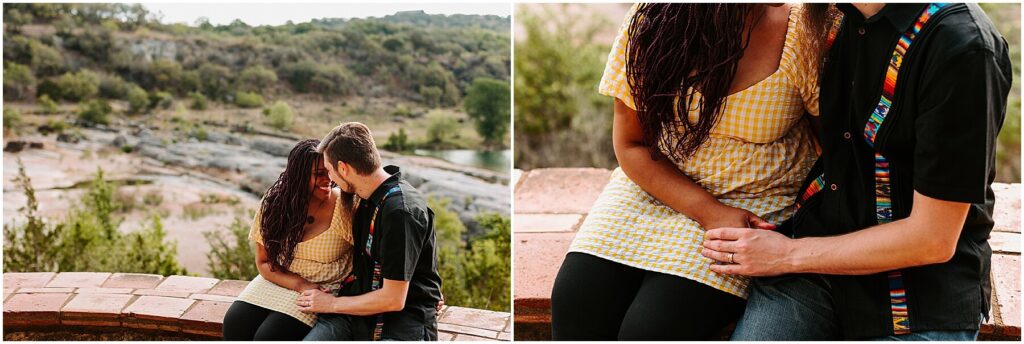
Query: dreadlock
(675,50)
(285,204)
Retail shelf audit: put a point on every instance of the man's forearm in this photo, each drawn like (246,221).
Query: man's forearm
(895,245)
(370,303)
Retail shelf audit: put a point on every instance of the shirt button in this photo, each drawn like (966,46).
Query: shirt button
(860,31)
(834,187)
(846,135)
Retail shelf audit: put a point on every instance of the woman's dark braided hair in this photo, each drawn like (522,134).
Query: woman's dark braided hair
(285,204)
(676,50)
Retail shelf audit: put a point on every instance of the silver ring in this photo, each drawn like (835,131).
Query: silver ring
(731,258)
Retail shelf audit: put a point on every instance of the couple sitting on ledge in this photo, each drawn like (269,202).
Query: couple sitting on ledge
(345,250)
(869,221)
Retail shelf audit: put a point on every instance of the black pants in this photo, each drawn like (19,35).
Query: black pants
(597,299)
(245,321)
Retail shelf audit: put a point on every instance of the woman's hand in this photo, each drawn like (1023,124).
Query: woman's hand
(315,301)
(721,215)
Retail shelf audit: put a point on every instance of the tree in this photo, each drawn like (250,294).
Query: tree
(79,85)
(256,79)
(95,111)
(138,100)
(280,116)
(18,81)
(487,103)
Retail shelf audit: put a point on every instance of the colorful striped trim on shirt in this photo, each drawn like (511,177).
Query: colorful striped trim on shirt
(883,188)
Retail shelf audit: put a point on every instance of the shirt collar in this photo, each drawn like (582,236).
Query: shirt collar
(901,16)
(382,189)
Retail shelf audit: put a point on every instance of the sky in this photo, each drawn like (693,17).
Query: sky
(278,13)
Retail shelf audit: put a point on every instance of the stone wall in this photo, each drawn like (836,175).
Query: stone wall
(550,205)
(166,307)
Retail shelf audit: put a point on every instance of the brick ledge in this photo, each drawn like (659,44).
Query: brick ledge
(175,306)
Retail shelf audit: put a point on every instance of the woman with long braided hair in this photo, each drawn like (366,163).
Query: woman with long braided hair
(710,131)
(303,236)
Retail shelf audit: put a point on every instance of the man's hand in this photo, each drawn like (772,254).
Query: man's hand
(722,215)
(749,252)
(315,301)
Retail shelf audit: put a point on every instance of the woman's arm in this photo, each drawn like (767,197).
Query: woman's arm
(280,277)
(663,180)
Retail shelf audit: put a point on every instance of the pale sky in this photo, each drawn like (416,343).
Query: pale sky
(278,13)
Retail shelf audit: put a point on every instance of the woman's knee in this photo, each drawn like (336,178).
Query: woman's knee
(241,321)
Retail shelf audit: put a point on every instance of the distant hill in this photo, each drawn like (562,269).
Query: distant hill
(427,59)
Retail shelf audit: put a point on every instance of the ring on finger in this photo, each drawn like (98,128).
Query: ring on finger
(732,258)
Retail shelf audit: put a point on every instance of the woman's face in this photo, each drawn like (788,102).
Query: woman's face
(319,182)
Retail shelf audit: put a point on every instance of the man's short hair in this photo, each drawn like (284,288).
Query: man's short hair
(351,143)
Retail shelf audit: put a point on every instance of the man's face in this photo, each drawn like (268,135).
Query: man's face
(335,173)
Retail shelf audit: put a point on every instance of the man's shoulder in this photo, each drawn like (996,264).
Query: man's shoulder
(964,27)
(406,200)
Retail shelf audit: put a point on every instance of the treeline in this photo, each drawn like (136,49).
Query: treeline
(427,59)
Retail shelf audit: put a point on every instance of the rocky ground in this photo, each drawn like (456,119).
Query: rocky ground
(202,185)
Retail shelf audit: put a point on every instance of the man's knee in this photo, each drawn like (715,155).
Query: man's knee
(787,308)
(331,327)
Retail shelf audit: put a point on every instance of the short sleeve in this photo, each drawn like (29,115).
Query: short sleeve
(613,82)
(963,105)
(254,231)
(806,68)
(403,235)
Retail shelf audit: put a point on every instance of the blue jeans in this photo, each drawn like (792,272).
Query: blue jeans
(336,327)
(341,327)
(795,308)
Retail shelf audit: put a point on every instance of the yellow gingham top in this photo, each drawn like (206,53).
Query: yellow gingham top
(325,259)
(756,157)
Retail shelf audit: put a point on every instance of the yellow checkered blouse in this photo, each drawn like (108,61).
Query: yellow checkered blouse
(325,260)
(756,157)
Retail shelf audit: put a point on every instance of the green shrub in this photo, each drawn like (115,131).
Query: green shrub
(114,87)
(248,100)
(199,101)
(255,79)
(442,130)
(398,141)
(161,99)
(214,80)
(12,118)
(401,111)
(280,116)
(78,86)
(87,239)
(138,100)
(18,81)
(231,255)
(95,111)
(475,273)
(47,105)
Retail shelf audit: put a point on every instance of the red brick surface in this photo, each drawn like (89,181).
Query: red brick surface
(193,306)
(34,309)
(78,279)
(1006,282)
(560,190)
(155,307)
(537,259)
(229,288)
(135,281)
(1007,209)
(27,279)
(187,283)
(104,290)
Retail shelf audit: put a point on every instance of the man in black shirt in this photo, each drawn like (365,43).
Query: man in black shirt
(894,246)
(397,286)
